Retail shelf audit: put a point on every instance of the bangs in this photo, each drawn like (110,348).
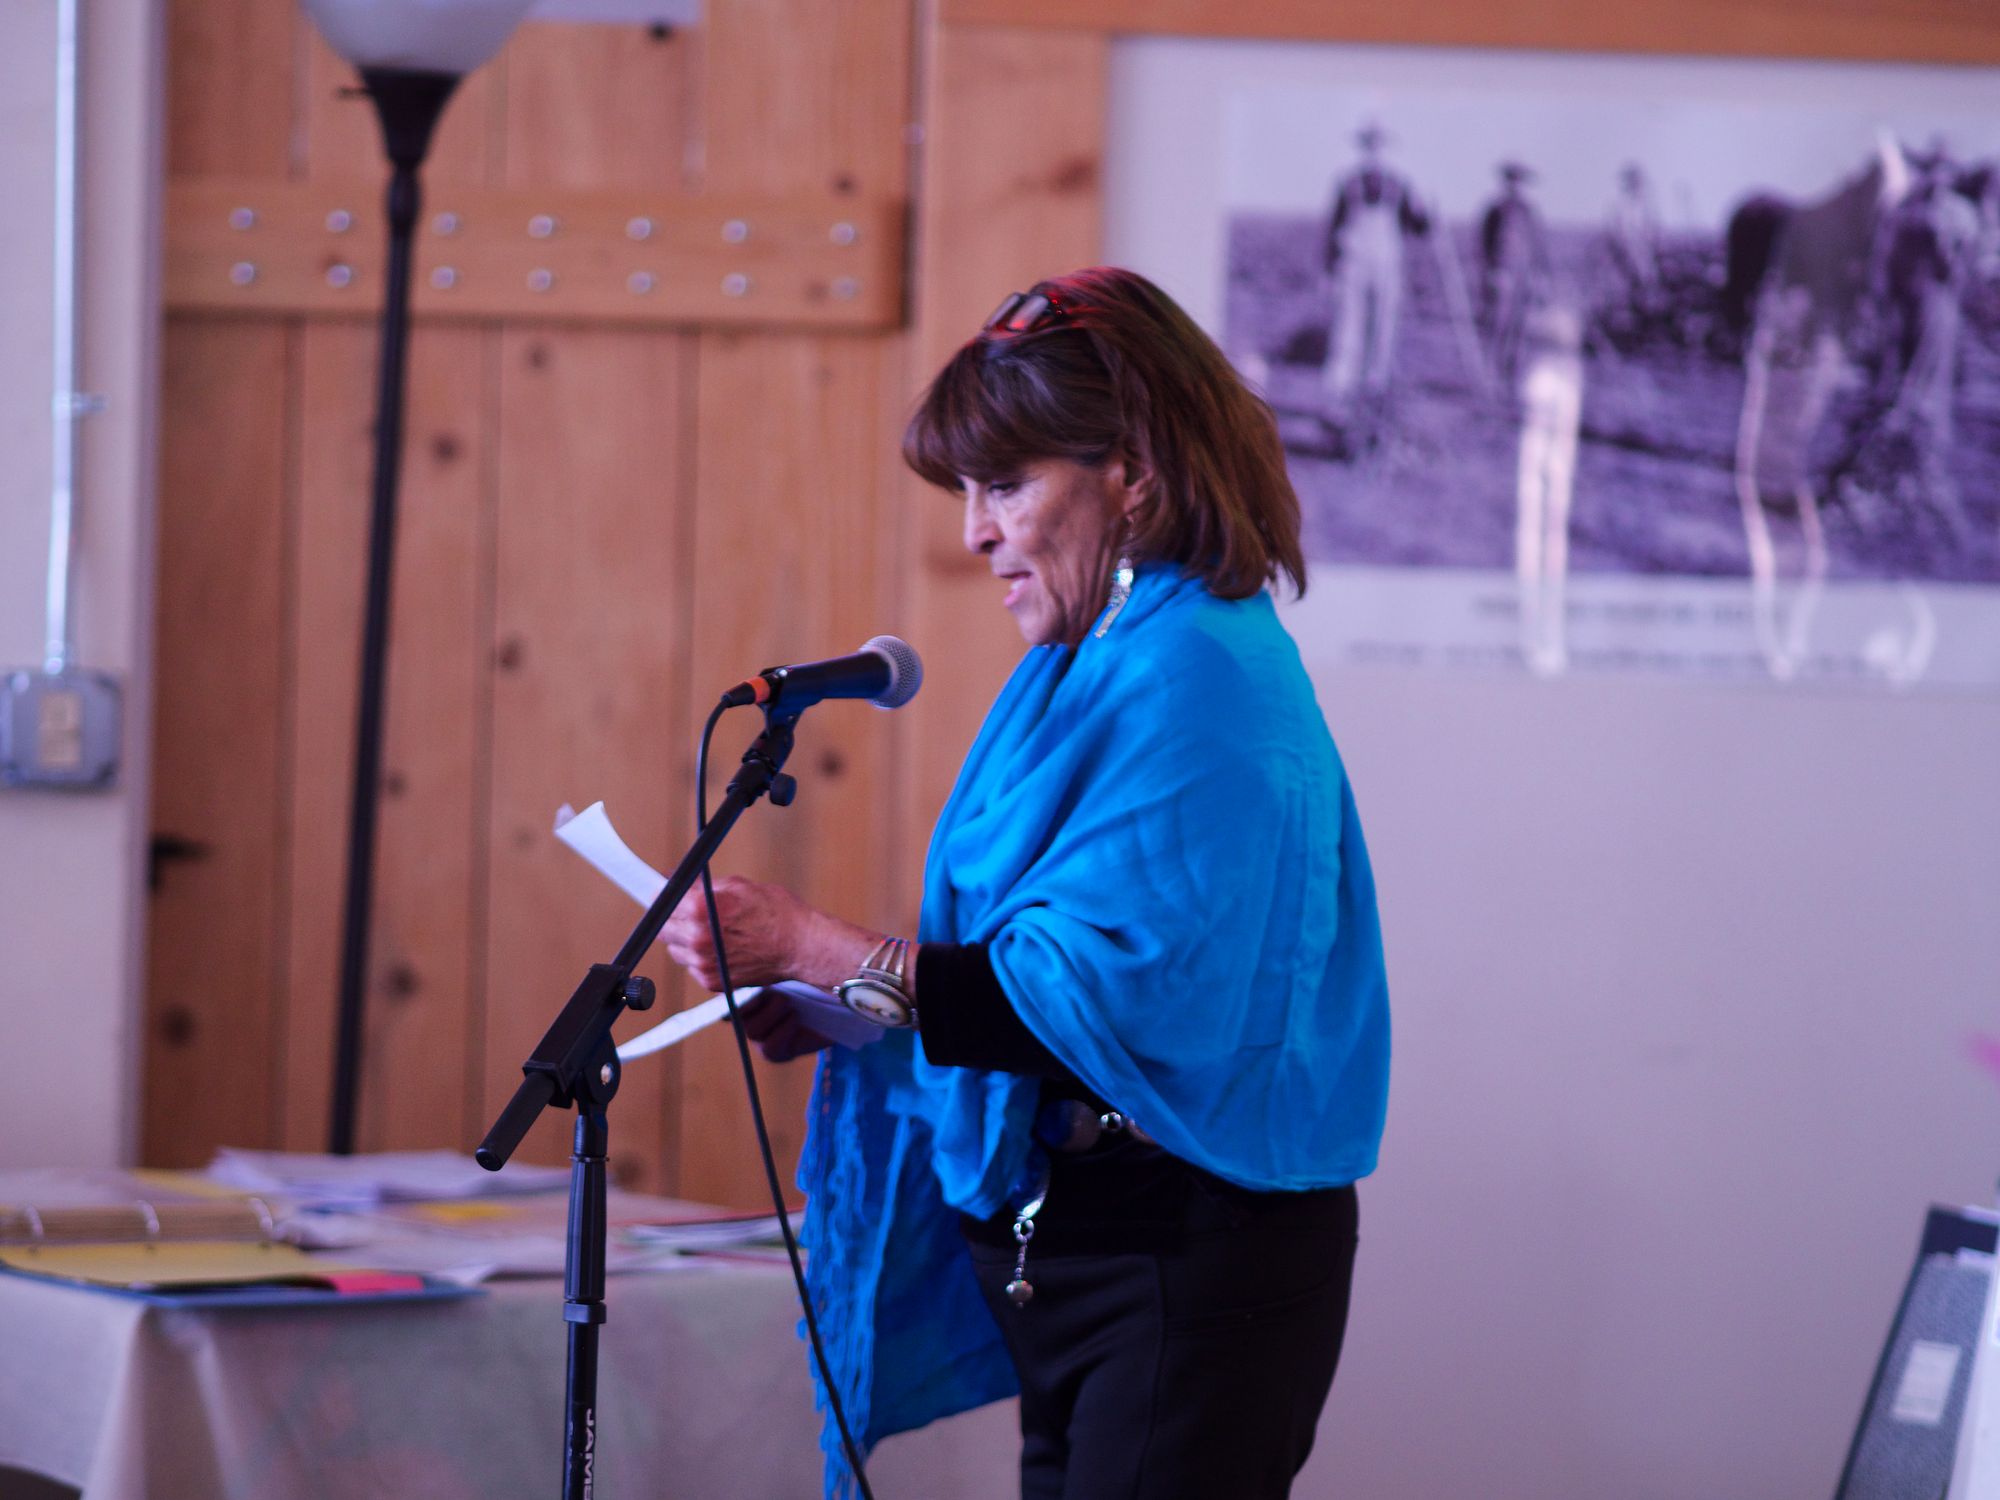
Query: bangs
(991,412)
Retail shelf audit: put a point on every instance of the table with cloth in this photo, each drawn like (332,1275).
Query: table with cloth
(703,1393)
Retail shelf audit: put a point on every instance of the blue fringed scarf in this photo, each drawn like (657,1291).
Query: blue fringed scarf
(1154,837)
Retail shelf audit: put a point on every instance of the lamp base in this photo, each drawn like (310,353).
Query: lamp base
(409,104)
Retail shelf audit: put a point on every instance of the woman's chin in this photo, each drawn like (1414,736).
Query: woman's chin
(1028,620)
(1039,623)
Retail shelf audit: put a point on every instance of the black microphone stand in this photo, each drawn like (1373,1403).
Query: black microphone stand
(575,1066)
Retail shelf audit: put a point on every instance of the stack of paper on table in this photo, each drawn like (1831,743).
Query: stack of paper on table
(82,1206)
(172,1235)
(214,1271)
(471,1240)
(189,1238)
(308,1180)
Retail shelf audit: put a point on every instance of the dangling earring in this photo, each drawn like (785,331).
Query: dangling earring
(1121,590)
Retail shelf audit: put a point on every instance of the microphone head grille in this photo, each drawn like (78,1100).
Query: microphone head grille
(906,672)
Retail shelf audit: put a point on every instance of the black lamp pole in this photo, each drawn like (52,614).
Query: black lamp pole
(408,103)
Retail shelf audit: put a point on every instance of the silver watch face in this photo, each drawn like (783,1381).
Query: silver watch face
(876,1002)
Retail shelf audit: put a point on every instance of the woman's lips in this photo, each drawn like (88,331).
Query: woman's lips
(1016,582)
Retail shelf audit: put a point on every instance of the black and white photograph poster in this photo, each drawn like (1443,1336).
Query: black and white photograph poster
(1589,364)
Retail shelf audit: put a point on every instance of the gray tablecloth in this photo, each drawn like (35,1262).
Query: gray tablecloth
(703,1395)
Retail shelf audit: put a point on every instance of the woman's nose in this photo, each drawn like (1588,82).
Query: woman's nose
(981,535)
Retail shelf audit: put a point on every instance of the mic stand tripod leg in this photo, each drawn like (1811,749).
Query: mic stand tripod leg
(583,1278)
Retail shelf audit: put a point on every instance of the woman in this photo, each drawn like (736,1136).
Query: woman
(1105,1151)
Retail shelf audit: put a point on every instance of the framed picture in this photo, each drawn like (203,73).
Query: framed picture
(1600,364)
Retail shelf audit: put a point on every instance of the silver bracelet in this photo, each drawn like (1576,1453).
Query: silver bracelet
(880,989)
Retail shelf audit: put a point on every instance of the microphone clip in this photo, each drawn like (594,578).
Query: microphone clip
(761,771)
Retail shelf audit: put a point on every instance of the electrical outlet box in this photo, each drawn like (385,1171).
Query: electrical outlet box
(59,729)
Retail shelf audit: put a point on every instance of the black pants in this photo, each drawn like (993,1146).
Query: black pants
(1196,1368)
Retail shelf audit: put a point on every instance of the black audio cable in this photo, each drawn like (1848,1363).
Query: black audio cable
(847,1443)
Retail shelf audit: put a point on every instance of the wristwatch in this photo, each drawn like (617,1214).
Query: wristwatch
(879,990)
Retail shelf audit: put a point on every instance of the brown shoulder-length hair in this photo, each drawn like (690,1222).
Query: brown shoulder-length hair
(1118,370)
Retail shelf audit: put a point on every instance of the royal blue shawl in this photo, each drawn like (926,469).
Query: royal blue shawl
(1154,836)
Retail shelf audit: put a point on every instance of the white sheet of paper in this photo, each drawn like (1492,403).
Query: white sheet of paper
(819,1009)
(591,835)
(374,1177)
(676,1028)
(1925,1389)
(823,1011)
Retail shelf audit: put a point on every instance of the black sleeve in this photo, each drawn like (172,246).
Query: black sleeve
(965,1019)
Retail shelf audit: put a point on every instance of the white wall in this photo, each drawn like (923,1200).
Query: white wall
(1682,984)
(1683,978)
(71,899)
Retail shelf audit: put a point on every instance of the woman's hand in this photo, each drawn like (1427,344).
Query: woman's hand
(769,934)
(770,1022)
(761,925)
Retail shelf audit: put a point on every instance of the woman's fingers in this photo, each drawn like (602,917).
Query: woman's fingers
(779,1043)
(698,958)
(792,1038)
(691,944)
(764,1015)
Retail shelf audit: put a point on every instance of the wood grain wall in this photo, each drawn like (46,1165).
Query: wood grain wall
(601,527)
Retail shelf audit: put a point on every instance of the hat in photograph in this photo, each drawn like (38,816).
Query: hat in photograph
(1933,156)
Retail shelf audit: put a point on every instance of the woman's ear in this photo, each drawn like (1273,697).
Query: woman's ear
(1135,484)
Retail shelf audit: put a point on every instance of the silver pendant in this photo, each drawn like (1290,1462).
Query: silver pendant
(1020,1293)
(1121,590)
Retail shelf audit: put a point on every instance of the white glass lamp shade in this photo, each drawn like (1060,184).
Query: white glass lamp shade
(422,36)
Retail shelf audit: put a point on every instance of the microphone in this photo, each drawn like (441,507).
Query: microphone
(885,671)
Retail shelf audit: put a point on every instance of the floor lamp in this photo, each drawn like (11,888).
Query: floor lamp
(411,54)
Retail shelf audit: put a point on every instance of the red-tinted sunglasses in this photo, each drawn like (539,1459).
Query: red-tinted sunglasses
(1024,312)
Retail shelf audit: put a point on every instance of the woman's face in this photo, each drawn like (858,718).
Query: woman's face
(1051,534)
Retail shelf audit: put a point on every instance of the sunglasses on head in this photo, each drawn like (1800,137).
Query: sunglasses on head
(1024,312)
